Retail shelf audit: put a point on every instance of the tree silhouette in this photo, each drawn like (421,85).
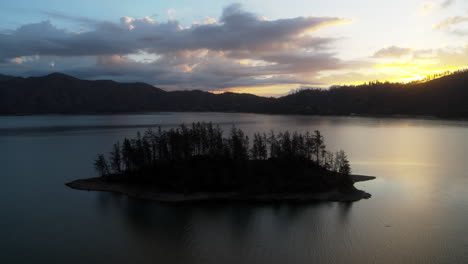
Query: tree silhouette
(238,144)
(342,163)
(318,146)
(259,147)
(101,165)
(200,158)
(116,159)
(127,155)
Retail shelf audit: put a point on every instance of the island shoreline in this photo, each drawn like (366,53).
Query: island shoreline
(143,192)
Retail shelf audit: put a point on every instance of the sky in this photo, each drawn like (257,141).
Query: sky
(268,48)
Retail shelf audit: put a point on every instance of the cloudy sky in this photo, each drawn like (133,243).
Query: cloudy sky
(265,47)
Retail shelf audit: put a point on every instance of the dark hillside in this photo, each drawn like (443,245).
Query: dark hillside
(58,93)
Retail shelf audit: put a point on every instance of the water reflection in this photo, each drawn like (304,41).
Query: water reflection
(199,232)
(344,210)
(417,214)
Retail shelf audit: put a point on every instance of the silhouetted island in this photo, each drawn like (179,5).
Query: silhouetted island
(193,163)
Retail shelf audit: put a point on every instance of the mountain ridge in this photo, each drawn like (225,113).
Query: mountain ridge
(444,97)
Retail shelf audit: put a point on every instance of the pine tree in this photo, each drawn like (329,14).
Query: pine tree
(116,159)
(318,146)
(101,165)
(127,154)
(259,147)
(342,163)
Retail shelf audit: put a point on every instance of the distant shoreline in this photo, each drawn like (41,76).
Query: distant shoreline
(417,117)
(59,93)
(143,192)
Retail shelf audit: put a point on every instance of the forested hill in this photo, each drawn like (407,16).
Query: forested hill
(59,93)
(443,97)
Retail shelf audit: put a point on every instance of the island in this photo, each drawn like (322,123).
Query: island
(198,163)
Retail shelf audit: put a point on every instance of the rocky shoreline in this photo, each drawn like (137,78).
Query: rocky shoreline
(143,192)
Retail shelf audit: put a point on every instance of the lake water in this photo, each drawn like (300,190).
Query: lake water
(418,212)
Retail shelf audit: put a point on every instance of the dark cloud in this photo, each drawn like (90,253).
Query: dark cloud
(237,30)
(240,49)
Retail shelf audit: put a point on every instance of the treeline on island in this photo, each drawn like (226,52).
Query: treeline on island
(199,158)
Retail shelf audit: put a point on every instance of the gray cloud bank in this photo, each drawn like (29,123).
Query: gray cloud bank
(239,49)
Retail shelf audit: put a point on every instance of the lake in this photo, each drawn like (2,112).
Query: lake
(418,212)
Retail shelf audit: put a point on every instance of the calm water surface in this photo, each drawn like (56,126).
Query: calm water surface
(418,212)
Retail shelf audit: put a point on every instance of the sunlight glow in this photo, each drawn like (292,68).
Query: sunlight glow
(405,72)
(419,71)
(275,90)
